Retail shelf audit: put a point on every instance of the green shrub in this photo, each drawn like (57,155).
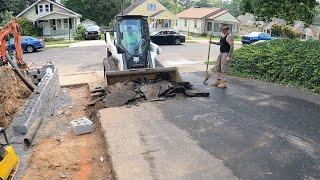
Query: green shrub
(80,33)
(28,29)
(284,32)
(291,62)
(5,17)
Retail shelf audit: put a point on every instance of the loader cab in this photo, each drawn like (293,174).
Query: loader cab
(133,41)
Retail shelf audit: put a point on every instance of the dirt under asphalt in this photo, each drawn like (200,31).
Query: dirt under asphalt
(59,153)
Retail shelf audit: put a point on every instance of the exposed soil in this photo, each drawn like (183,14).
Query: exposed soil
(13,94)
(59,153)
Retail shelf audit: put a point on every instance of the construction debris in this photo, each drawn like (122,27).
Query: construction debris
(121,94)
(82,126)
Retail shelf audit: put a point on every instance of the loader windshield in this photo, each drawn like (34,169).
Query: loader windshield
(132,39)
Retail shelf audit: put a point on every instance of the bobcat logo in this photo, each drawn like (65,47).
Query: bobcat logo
(136,59)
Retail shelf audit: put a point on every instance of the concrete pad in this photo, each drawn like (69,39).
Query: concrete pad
(144,145)
(81,78)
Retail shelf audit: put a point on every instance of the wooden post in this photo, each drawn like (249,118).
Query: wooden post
(69,29)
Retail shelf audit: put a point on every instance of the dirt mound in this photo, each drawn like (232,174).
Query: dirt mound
(13,94)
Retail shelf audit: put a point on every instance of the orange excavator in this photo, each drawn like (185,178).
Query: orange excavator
(14,28)
(11,27)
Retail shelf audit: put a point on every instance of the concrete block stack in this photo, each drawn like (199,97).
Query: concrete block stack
(37,74)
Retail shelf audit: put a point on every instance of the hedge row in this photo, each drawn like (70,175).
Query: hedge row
(290,62)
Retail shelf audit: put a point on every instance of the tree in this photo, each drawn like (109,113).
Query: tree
(204,3)
(27,27)
(233,7)
(290,10)
(16,6)
(246,6)
(316,19)
(174,6)
(5,17)
(186,4)
(99,11)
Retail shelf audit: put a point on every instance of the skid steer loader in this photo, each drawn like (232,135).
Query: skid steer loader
(130,53)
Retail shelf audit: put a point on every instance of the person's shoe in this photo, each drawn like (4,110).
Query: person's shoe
(216,83)
(223,84)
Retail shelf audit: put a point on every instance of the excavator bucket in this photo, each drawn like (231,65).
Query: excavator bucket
(163,73)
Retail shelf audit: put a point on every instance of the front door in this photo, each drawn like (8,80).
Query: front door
(46,28)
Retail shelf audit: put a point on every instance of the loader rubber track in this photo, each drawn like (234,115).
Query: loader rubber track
(109,64)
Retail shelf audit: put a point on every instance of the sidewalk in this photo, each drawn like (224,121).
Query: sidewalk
(84,43)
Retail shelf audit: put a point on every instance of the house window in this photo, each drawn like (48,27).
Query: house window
(40,8)
(43,8)
(59,24)
(195,24)
(209,26)
(216,27)
(47,8)
(166,23)
(152,7)
(65,23)
(185,23)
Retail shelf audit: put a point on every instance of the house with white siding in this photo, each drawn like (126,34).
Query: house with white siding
(159,17)
(52,17)
(206,21)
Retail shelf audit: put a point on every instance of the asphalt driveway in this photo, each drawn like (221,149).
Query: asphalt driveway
(258,130)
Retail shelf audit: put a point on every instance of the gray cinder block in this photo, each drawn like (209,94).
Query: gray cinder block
(82,126)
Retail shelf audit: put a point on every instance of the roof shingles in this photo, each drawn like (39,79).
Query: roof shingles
(198,13)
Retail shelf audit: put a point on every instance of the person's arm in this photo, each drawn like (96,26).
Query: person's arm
(215,43)
(231,43)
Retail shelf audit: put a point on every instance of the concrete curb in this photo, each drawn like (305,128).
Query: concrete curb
(40,103)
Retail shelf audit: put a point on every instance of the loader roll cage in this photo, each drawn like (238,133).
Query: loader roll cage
(133,40)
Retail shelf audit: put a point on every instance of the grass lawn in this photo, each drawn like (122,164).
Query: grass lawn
(60,42)
(211,62)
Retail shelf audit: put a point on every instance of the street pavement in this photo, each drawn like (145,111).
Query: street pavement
(71,59)
(252,130)
(88,55)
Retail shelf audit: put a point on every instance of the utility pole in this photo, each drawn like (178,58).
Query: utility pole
(122,7)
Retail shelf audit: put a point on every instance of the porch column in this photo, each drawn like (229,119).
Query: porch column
(62,24)
(74,23)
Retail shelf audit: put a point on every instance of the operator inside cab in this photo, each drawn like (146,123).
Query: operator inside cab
(131,40)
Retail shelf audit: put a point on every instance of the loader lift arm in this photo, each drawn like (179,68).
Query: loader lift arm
(11,27)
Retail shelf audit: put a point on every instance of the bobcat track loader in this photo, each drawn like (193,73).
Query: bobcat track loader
(130,53)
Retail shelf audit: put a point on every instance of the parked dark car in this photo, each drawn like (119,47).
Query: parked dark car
(168,37)
(93,32)
(29,44)
(256,36)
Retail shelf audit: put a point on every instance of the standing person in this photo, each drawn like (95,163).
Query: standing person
(226,48)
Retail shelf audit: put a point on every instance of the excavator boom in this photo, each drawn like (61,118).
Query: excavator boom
(11,27)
